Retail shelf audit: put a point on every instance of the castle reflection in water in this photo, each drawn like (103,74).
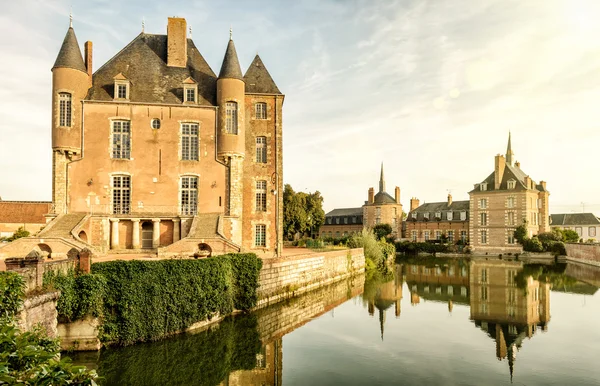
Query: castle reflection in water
(504,302)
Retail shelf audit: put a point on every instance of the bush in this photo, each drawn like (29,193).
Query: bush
(80,295)
(31,358)
(20,232)
(570,236)
(176,293)
(382,230)
(533,245)
(377,253)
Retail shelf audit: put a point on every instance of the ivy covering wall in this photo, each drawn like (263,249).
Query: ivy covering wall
(139,301)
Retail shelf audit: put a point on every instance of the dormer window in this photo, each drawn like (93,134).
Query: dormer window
(414,215)
(438,215)
(449,216)
(483,186)
(512,184)
(121,87)
(190,91)
(426,215)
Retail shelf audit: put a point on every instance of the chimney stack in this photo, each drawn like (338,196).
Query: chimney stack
(371,195)
(543,183)
(397,195)
(518,164)
(527,182)
(177,42)
(414,203)
(88,59)
(449,199)
(500,165)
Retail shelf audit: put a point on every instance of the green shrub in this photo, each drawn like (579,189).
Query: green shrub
(80,294)
(147,300)
(377,253)
(570,236)
(533,245)
(20,232)
(12,291)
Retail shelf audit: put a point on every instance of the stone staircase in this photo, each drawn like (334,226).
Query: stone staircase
(62,226)
(204,226)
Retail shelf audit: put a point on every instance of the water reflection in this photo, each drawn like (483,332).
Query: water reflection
(509,301)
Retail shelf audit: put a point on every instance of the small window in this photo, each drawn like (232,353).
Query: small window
(190,94)
(592,231)
(483,186)
(426,235)
(438,215)
(463,216)
(345,220)
(511,236)
(155,123)
(260,110)
(438,235)
(64,109)
(121,91)
(261,150)
(451,237)
(261,196)
(337,220)
(483,203)
(190,91)
(354,220)
(463,236)
(231,117)
(260,238)
(512,184)
(578,230)
(414,236)
(449,216)
(414,215)
(511,218)
(426,215)
(483,217)
(483,237)
(510,202)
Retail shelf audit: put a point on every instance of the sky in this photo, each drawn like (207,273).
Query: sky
(429,88)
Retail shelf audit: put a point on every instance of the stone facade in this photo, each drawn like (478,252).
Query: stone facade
(506,199)
(130,150)
(435,220)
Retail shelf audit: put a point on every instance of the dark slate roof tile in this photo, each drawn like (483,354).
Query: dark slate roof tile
(345,212)
(570,219)
(231,65)
(69,55)
(258,80)
(144,63)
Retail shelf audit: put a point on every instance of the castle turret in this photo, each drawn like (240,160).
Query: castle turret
(231,132)
(70,84)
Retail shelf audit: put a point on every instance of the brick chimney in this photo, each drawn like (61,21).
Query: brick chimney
(397,195)
(177,42)
(527,181)
(449,199)
(88,58)
(500,165)
(414,203)
(518,164)
(371,195)
(543,183)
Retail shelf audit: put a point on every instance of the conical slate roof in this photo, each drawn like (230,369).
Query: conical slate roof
(69,55)
(231,65)
(258,80)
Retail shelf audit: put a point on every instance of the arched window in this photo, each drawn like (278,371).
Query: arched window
(64,109)
(231,122)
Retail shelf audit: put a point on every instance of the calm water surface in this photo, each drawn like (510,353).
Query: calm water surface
(429,322)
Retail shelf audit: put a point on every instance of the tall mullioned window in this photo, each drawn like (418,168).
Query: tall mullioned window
(121,194)
(260,237)
(261,150)
(189,141)
(261,196)
(64,109)
(189,195)
(231,121)
(260,110)
(121,139)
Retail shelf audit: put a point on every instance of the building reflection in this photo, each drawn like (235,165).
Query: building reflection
(383,292)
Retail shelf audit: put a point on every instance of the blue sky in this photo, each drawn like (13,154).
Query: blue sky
(430,88)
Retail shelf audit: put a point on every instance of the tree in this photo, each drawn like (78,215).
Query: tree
(382,230)
(302,212)
(521,233)
(570,236)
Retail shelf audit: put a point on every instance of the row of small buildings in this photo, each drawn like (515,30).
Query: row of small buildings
(497,205)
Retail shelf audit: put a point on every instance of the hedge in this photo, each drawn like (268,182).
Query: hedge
(12,291)
(413,248)
(148,300)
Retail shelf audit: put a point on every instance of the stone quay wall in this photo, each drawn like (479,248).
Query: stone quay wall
(39,310)
(586,253)
(287,277)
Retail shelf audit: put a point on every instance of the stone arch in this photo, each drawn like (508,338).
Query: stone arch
(73,253)
(46,250)
(83,236)
(204,250)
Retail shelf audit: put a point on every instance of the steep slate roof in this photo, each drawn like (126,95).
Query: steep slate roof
(383,198)
(442,207)
(570,219)
(69,55)
(345,212)
(144,63)
(510,173)
(231,65)
(258,80)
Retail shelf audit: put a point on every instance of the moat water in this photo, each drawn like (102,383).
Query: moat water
(428,322)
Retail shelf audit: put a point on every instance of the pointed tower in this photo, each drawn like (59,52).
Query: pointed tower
(381,180)
(231,134)
(509,152)
(70,84)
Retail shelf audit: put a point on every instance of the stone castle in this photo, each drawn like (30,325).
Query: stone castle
(155,152)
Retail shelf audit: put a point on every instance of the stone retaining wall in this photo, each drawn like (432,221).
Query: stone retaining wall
(589,253)
(39,310)
(290,276)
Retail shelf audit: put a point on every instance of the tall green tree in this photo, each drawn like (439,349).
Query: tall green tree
(302,212)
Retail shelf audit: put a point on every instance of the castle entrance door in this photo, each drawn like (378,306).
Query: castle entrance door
(147,235)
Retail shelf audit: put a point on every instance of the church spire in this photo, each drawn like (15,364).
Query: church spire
(509,152)
(381,180)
